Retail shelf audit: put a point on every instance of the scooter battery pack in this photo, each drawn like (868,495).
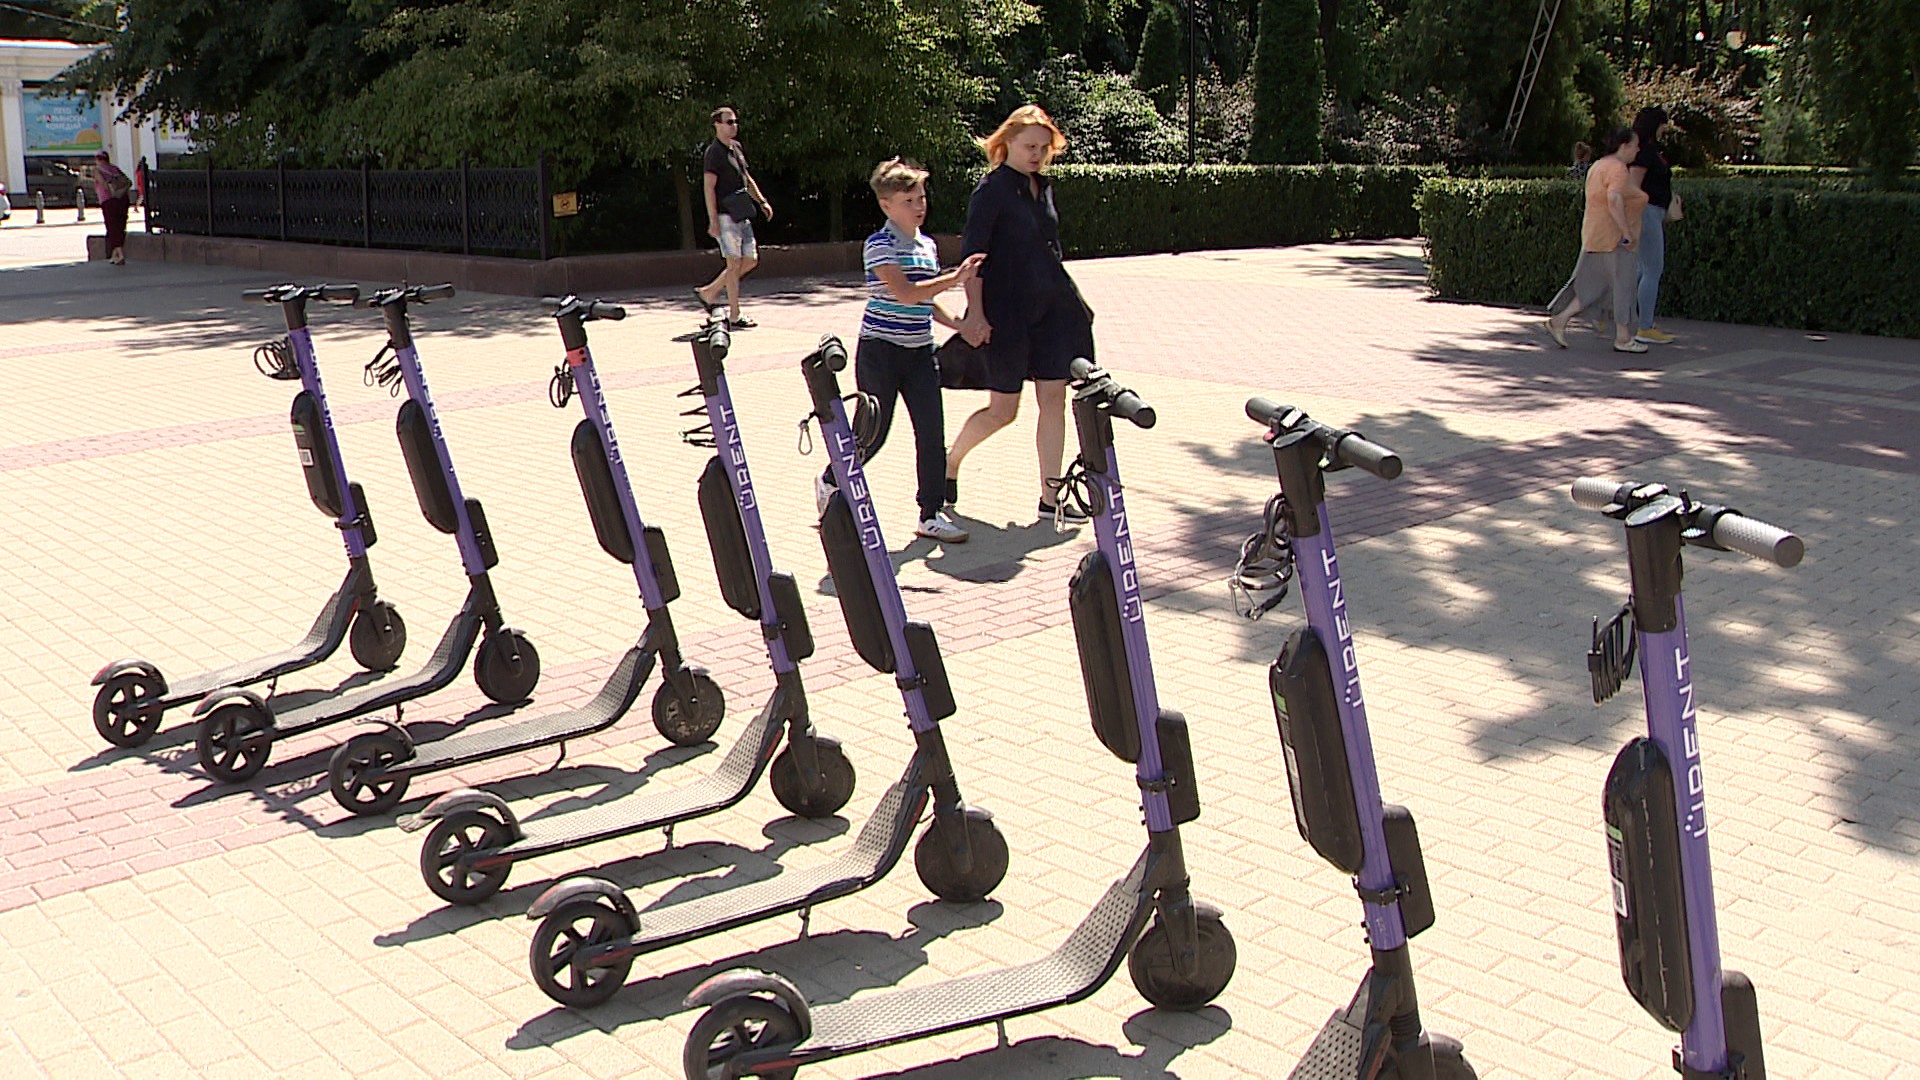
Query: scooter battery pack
(423,465)
(1409,869)
(596,485)
(323,482)
(853,583)
(482,535)
(1649,906)
(365,522)
(1103,656)
(792,613)
(662,560)
(1176,762)
(727,536)
(1301,682)
(931,669)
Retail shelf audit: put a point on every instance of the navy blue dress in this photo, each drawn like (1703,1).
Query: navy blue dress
(1039,323)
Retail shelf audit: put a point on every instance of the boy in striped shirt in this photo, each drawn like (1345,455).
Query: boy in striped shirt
(895,355)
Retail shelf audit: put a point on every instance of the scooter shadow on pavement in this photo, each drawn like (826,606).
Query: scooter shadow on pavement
(836,965)
(636,872)
(1162,1036)
(994,556)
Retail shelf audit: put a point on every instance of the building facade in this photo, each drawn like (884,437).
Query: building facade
(48,141)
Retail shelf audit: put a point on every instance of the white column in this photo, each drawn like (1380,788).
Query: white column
(122,135)
(13,132)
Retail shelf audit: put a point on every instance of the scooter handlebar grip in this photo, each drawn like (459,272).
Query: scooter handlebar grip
(1082,368)
(1127,404)
(1362,453)
(339,293)
(600,309)
(1757,539)
(1262,411)
(834,354)
(257,296)
(1593,493)
(433,292)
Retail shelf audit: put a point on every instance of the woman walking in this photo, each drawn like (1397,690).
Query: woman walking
(1023,310)
(1655,177)
(112,187)
(1609,233)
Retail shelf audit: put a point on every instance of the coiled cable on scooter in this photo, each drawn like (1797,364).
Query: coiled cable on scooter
(384,369)
(863,416)
(274,359)
(1265,564)
(1075,489)
(560,387)
(1610,660)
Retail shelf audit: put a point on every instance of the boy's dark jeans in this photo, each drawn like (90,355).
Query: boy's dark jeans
(886,370)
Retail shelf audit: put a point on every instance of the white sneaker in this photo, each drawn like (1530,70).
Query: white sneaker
(941,527)
(823,490)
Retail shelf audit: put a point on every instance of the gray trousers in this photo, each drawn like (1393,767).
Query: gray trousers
(1597,274)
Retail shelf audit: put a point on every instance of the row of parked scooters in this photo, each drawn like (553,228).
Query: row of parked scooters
(1178,950)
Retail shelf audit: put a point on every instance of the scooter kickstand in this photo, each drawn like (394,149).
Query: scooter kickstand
(1000,1029)
(669,831)
(806,920)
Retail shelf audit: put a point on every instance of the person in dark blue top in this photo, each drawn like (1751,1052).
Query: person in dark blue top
(1656,179)
(1023,311)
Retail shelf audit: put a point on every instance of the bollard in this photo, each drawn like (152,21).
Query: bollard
(80,203)
(39,208)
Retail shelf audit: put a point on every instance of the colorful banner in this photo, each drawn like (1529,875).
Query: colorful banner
(58,124)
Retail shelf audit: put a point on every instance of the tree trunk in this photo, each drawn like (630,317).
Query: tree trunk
(683,194)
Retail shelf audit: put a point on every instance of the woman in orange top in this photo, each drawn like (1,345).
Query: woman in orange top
(1609,235)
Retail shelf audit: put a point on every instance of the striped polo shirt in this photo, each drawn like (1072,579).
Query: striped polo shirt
(886,318)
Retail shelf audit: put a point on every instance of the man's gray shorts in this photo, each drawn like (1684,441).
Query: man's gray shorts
(1600,272)
(736,239)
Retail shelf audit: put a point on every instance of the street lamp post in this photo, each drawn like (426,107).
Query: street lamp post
(1190,77)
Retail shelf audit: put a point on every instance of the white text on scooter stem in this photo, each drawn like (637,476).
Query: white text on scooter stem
(1123,547)
(859,499)
(1696,823)
(737,460)
(1343,628)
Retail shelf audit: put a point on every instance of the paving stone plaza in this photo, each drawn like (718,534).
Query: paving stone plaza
(154,923)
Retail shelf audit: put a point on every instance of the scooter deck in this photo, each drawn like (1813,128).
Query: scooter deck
(323,638)
(1338,1052)
(873,854)
(1081,965)
(440,669)
(606,708)
(736,775)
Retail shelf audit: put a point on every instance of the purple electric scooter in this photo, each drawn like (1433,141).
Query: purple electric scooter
(1177,949)
(476,838)
(590,932)
(1331,771)
(134,694)
(1655,797)
(238,727)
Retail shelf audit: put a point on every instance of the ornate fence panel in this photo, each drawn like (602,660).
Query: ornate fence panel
(464,210)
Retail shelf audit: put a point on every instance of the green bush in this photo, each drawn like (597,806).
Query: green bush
(1748,251)
(1130,209)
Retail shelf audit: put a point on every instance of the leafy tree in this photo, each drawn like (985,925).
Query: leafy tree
(1287,83)
(1866,68)
(1161,71)
(1107,119)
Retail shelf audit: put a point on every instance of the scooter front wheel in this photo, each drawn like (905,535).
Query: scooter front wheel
(1156,973)
(124,711)
(234,741)
(506,668)
(802,798)
(378,636)
(738,1026)
(1449,1061)
(562,934)
(933,859)
(355,773)
(453,839)
(692,721)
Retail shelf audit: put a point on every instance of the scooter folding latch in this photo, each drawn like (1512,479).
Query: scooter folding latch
(1383,897)
(1733,1071)
(1163,784)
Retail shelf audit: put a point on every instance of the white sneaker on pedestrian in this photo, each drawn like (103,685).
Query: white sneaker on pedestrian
(823,490)
(942,528)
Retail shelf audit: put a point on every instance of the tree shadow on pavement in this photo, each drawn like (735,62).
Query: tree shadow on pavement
(828,968)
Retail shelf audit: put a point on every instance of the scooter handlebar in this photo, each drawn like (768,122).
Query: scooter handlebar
(338,294)
(833,354)
(1357,450)
(1119,400)
(1127,404)
(425,293)
(1082,369)
(592,309)
(1346,447)
(1593,493)
(1262,411)
(1757,539)
(260,296)
(280,294)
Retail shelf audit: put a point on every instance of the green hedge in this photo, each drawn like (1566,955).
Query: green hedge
(1131,209)
(1748,251)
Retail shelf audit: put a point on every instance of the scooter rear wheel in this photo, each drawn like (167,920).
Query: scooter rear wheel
(691,722)
(234,741)
(378,636)
(734,1027)
(354,773)
(1158,977)
(799,796)
(565,931)
(934,862)
(506,667)
(124,712)
(462,833)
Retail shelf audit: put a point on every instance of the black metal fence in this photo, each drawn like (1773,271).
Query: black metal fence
(502,211)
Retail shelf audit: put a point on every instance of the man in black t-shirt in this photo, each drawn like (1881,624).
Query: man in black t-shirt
(732,201)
